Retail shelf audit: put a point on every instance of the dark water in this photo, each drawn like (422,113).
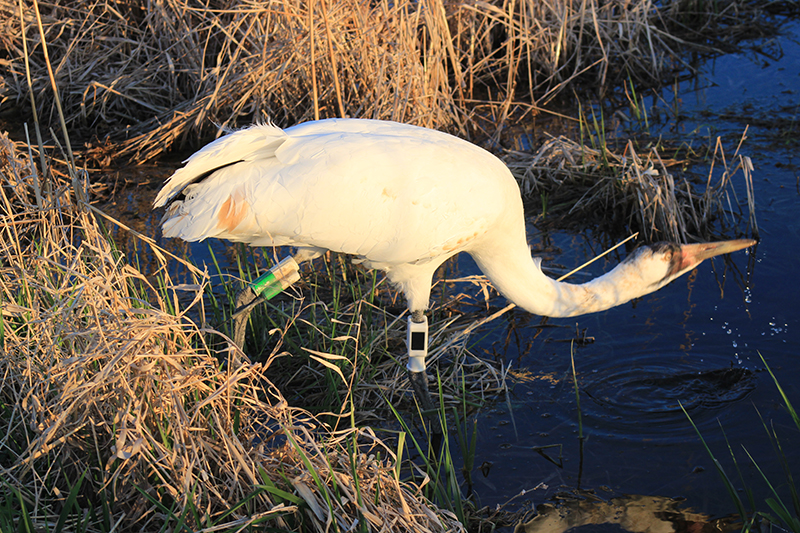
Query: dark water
(696,341)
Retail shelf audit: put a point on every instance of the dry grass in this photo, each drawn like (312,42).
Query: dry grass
(149,75)
(630,192)
(106,374)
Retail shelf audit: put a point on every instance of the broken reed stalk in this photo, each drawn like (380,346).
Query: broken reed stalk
(149,75)
(105,373)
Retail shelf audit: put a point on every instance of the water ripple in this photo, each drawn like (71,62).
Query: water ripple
(644,399)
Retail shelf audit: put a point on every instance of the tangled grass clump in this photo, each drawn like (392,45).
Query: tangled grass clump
(112,402)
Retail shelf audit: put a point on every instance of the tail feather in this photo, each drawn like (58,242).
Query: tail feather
(256,142)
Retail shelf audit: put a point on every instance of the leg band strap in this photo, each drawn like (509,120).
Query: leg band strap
(417,341)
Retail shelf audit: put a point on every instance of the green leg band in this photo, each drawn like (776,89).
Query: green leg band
(279,277)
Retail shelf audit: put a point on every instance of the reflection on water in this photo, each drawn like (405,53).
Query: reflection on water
(637,514)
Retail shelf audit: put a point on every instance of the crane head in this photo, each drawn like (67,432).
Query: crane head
(665,261)
(689,256)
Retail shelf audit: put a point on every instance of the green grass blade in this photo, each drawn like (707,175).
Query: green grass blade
(785,398)
(323,489)
(577,390)
(783,514)
(776,503)
(286,496)
(69,504)
(721,471)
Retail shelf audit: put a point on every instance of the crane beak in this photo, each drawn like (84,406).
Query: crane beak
(694,254)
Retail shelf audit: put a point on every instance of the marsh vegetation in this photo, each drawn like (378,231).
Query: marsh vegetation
(124,406)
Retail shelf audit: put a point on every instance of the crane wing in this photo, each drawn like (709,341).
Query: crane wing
(388,193)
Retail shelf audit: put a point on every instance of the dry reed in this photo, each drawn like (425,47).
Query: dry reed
(105,373)
(148,75)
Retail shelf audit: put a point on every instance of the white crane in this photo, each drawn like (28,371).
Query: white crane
(399,198)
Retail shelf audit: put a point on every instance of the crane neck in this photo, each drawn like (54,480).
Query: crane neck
(519,277)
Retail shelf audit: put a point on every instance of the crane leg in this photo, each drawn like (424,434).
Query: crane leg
(278,278)
(417,340)
(246,301)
